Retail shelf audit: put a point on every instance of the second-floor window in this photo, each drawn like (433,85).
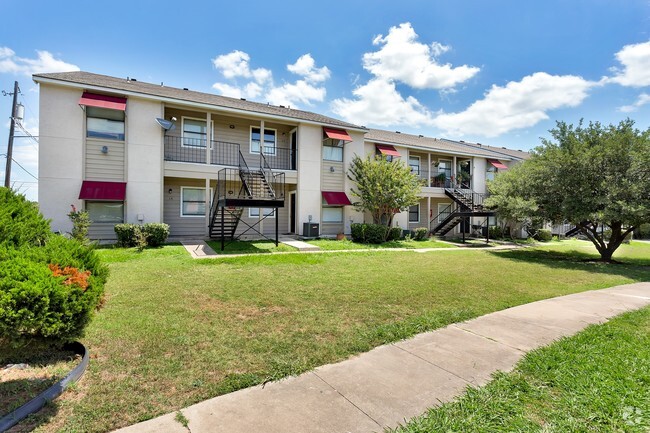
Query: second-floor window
(414,163)
(194,132)
(332,153)
(269,144)
(104,123)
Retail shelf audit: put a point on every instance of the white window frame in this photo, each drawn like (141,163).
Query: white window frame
(250,141)
(419,163)
(181,201)
(333,147)
(87,202)
(409,214)
(332,207)
(103,138)
(201,120)
(271,216)
(441,207)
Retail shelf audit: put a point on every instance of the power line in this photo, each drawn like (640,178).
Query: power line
(18,164)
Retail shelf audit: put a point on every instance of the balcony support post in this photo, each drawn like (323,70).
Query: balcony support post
(429,173)
(208,137)
(207,206)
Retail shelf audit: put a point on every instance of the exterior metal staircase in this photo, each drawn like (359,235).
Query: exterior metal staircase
(242,187)
(466,204)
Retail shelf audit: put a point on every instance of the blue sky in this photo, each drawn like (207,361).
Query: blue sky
(499,72)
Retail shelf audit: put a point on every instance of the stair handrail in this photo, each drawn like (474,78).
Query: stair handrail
(448,210)
(267,173)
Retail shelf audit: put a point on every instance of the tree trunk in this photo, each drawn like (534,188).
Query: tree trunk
(605,249)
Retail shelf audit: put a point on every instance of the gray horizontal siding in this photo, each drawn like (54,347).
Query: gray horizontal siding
(104,166)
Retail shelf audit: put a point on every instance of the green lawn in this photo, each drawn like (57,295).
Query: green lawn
(596,381)
(250,247)
(334,245)
(175,331)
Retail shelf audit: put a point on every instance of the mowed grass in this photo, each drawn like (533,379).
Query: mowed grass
(250,247)
(175,331)
(596,381)
(346,244)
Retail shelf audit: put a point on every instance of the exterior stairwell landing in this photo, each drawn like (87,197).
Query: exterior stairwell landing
(466,204)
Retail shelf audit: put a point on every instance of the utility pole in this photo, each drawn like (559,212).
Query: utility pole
(10,144)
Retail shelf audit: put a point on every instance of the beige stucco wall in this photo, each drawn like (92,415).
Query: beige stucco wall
(144,161)
(60,154)
(308,196)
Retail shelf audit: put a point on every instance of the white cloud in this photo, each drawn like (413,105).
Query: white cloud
(402,58)
(259,83)
(305,66)
(635,61)
(236,64)
(643,99)
(518,104)
(379,103)
(44,62)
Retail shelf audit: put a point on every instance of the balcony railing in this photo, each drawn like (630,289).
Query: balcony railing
(192,150)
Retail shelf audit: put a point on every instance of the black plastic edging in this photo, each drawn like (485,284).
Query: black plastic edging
(35,404)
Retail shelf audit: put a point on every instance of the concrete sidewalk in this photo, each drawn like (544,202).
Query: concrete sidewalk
(392,383)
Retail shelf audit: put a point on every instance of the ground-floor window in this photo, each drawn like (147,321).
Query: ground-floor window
(193,201)
(333,214)
(414,213)
(105,211)
(254,212)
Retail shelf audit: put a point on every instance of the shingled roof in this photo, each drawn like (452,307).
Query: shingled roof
(132,86)
(442,144)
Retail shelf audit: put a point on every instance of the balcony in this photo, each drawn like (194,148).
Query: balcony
(193,150)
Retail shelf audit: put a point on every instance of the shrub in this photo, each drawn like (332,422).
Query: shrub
(125,234)
(134,235)
(394,234)
(20,221)
(375,233)
(48,294)
(156,233)
(368,233)
(543,235)
(80,224)
(421,233)
(495,232)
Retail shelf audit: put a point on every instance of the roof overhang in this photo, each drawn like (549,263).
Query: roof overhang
(432,149)
(186,103)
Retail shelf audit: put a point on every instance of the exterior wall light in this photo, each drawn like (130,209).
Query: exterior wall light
(104,149)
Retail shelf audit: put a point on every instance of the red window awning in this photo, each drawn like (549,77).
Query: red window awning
(387,149)
(103,101)
(337,134)
(93,190)
(498,164)
(336,198)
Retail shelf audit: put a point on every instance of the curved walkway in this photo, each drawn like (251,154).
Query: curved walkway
(391,383)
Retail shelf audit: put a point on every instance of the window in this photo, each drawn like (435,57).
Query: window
(414,213)
(332,214)
(194,132)
(254,212)
(491,171)
(269,141)
(444,210)
(104,123)
(414,163)
(193,201)
(105,211)
(332,153)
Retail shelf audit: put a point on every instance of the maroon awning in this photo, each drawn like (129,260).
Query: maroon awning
(93,190)
(337,134)
(103,101)
(498,164)
(387,149)
(335,198)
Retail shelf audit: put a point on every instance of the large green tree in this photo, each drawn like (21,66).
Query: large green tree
(383,187)
(593,177)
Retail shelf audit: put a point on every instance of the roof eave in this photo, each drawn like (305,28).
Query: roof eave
(413,146)
(47,80)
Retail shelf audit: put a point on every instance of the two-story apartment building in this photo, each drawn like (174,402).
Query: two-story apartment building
(213,166)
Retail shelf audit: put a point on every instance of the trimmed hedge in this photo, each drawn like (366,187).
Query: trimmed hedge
(544,235)
(394,234)
(421,234)
(129,235)
(368,233)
